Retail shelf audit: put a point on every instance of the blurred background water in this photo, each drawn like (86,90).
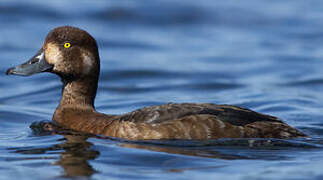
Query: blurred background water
(263,55)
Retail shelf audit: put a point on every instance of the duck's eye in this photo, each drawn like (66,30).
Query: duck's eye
(67,45)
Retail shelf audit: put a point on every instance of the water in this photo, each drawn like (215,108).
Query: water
(264,55)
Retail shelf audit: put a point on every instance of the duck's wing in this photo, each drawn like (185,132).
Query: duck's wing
(232,114)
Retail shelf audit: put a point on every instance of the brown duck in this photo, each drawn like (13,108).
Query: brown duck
(73,55)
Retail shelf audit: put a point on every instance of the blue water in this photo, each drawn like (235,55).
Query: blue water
(263,55)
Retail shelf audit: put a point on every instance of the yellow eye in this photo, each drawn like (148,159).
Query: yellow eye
(67,45)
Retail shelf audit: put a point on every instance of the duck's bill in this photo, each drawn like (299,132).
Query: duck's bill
(36,64)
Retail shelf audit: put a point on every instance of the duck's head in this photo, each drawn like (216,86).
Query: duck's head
(69,52)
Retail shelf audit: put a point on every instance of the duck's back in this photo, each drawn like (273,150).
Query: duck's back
(198,121)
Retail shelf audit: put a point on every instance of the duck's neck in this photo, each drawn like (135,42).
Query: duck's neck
(79,92)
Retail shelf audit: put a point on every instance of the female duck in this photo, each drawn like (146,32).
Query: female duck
(72,54)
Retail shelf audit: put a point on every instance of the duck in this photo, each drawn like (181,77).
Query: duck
(72,54)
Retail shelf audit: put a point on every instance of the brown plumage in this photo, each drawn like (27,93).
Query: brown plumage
(79,66)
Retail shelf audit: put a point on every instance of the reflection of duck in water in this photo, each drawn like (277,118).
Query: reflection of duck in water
(76,152)
(74,160)
(72,54)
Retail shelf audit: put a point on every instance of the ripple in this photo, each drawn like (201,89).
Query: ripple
(127,45)
(179,87)
(23,9)
(247,143)
(164,14)
(308,82)
(138,74)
